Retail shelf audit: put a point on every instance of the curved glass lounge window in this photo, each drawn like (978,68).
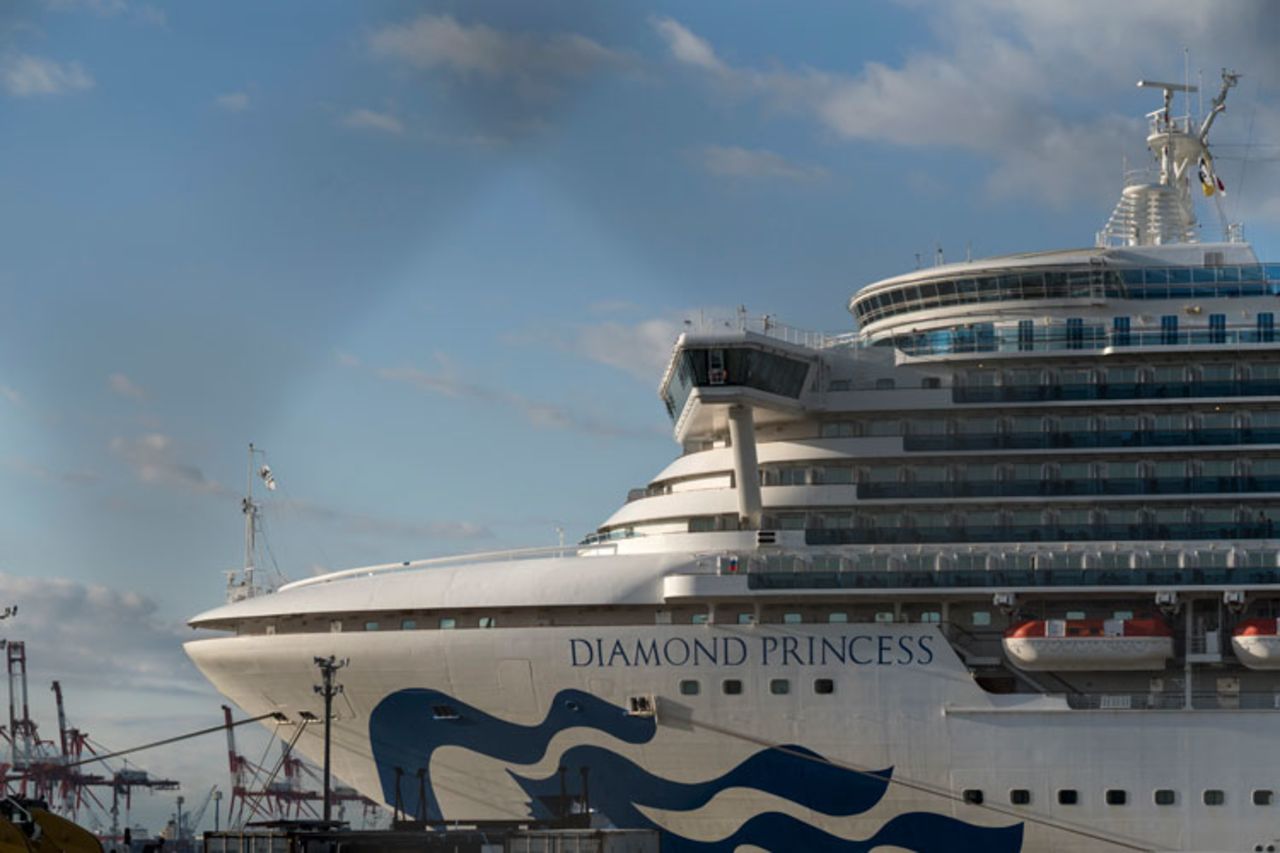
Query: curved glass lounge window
(741,366)
(1071,283)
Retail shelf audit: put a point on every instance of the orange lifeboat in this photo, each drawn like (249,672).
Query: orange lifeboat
(1089,644)
(1256,643)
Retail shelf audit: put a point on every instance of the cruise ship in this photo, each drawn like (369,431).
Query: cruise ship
(996,571)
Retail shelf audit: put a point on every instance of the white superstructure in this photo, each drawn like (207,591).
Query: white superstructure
(997,572)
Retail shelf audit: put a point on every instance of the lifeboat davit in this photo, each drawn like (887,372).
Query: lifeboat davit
(1089,644)
(1256,644)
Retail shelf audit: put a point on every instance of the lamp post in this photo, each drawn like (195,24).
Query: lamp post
(328,669)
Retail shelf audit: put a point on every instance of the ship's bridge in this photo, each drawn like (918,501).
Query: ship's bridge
(736,367)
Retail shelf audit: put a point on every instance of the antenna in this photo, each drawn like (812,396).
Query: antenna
(1219,103)
(1186,81)
(247,586)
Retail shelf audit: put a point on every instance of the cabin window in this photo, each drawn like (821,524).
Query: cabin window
(371,626)
(779,686)
(1165,797)
(972,796)
(690,687)
(824,686)
(448,622)
(1263,797)
(1214,797)
(1068,796)
(884,616)
(1020,797)
(932,616)
(1116,797)
(1122,614)
(792,618)
(335,626)
(408,624)
(731,687)
(980,618)
(1075,614)
(838,616)
(746,618)
(488,621)
(699,619)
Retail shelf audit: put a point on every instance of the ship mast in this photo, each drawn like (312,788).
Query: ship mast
(1161,212)
(242,584)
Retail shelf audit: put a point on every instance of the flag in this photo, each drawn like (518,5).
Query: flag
(1207,179)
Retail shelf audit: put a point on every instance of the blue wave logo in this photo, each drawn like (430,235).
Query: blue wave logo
(407,727)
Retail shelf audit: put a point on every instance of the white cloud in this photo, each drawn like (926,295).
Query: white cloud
(125,387)
(640,349)
(358,523)
(105,8)
(442,42)
(233,102)
(25,76)
(538,413)
(1001,80)
(687,47)
(735,162)
(95,636)
(154,459)
(346,359)
(75,478)
(370,120)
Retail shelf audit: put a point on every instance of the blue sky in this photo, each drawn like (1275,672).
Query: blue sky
(431,257)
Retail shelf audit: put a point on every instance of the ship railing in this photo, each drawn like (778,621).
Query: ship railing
(549,552)
(1141,177)
(770,326)
(1175,700)
(942,342)
(1014,579)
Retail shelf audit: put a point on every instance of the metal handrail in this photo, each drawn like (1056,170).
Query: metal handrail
(457,559)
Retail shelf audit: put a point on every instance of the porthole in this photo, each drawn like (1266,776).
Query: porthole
(1068,797)
(1116,797)
(1214,797)
(690,687)
(1263,797)
(731,687)
(779,686)
(824,686)
(1020,797)
(1165,797)
(972,796)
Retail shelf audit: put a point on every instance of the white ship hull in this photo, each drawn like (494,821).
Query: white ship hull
(903,702)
